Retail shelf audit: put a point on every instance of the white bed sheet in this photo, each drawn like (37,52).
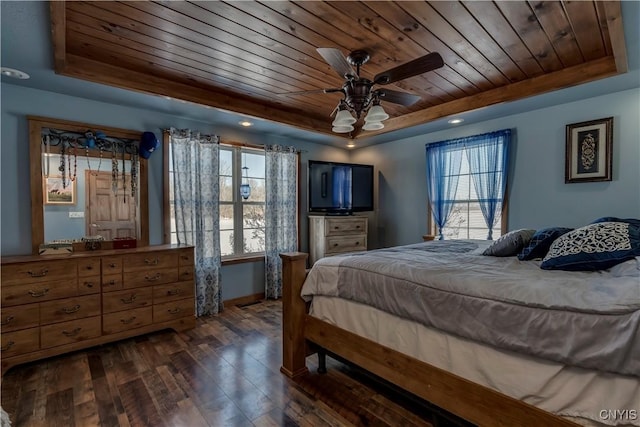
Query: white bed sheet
(579,394)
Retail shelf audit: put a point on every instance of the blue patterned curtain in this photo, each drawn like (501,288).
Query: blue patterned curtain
(281,212)
(488,156)
(443,170)
(197,211)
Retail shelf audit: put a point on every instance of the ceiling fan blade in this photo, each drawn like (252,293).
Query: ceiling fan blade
(307,92)
(420,65)
(402,98)
(338,62)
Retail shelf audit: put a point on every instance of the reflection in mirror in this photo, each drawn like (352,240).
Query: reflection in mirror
(87,205)
(86,183)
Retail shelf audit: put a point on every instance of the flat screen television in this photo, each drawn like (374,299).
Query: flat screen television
(340,188)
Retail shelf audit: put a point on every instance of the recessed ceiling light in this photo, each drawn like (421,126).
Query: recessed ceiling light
(455,121)
(16,74)
(245,123)
(351,145)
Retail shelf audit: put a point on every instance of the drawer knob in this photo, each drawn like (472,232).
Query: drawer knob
(153,278)
(151,261)
(38,294)
(335,244)
(184,257)
(130,300)
(111,282)
(172,292)
(73,333)
(336,228)
(357,226)
(8,346)
(71,310)
(89,267)
(8,320)
(175,310)
(112,265)
(128,321)
(88,284)
(357,243)
(42,273)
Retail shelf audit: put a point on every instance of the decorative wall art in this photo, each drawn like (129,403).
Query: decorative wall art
(588,151)
(55,193)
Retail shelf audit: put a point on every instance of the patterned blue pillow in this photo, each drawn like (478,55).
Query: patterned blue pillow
(541,242)
(614,219)
(594,247)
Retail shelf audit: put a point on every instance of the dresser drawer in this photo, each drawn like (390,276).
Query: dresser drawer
(20,317)
(20,342)
(341,244)
(88,266)
(173,291)
(185,273)
(88,285)
(341,226)
(185,257)
(37,292)
(173,310)
(127,299)
(111,282)
(69,309)
(126,320)
(145,261)
(69,332)
(38,272)
(150,276)
(111,265)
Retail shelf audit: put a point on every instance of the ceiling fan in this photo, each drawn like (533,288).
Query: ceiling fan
(359,93)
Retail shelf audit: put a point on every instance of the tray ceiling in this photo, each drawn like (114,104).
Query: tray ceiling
(247,57)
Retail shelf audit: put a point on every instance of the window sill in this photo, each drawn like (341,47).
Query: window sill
(241,259)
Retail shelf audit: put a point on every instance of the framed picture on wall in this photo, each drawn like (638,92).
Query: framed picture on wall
(588,151)
(57,194)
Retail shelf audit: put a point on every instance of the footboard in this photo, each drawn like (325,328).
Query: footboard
(473,402)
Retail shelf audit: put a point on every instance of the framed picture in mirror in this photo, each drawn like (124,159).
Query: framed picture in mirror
(58,191)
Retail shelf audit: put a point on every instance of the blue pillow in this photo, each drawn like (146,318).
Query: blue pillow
(510,244)
(614,219)
(540,242)
(594,247)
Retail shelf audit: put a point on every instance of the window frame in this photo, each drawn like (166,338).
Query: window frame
(227,259)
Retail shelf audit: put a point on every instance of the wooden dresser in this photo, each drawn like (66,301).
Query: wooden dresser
(331,235)
(56,304)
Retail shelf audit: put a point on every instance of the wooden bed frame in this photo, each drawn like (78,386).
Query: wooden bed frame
(473,402)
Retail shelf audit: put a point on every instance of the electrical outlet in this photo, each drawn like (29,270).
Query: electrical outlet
(76,214)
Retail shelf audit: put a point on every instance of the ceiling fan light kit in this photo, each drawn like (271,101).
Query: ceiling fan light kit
(359,95)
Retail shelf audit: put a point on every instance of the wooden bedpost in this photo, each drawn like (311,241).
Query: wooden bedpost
(294,309)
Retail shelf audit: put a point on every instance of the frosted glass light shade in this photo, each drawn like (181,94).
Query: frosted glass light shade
(342,129)
(343,118)
(372,126)
(376,114)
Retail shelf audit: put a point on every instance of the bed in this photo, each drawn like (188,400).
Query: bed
(494,340)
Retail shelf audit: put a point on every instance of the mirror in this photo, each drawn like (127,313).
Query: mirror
(76,190)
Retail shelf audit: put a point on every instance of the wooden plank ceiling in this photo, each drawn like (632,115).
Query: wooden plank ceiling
(246,56)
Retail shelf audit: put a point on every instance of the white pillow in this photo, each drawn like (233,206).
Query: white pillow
(629,268)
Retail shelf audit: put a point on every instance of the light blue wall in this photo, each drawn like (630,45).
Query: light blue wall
(538,195)
(15,208)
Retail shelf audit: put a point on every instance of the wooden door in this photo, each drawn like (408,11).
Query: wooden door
(111,214)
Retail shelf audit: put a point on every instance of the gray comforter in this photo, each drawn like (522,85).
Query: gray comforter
(585,319)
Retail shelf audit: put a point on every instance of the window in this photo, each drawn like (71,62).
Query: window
(466,178)
(242,222)
(466,220)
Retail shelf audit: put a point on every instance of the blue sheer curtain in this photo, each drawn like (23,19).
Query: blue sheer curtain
(197,210)
(281,212)
(488,156)
(443,170)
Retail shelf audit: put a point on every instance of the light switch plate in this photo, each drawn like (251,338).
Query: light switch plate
(76,214)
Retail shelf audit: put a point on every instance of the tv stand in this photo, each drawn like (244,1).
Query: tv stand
(331,235)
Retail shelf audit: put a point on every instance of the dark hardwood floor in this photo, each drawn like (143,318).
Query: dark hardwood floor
(225,372)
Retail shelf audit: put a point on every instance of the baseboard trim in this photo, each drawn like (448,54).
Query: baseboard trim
(244,300)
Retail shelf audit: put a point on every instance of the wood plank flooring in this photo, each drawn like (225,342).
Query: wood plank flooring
(225,372)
